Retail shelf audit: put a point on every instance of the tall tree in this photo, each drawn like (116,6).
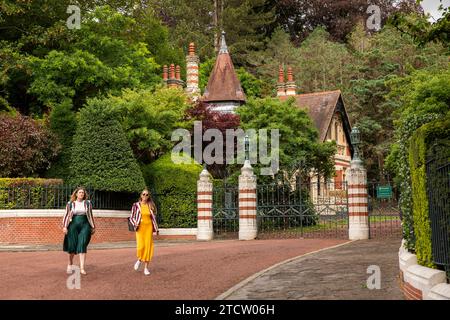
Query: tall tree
(202,21)
(384,55)
(421,29)
(126,45)
(149,118)
(301,17)
(298,136)
(420,98)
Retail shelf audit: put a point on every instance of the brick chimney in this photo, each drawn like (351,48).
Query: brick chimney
(192,62)
(178,73)
(281,90)
(291,87)
(165,74)
(172,81)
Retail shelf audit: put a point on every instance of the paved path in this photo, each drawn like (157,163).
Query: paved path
(188,270)
(336,273)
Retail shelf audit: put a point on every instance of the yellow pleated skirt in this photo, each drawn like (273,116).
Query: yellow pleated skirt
(144,236)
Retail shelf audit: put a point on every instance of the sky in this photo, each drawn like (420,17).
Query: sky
(431,7)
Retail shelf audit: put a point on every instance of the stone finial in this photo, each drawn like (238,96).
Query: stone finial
(204,175)
(223,44)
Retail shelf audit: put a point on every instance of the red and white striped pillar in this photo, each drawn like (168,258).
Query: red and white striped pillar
(204,206)
(357,202)
(247,203)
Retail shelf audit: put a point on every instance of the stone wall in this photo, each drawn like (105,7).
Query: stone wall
(421,283)
(43,227)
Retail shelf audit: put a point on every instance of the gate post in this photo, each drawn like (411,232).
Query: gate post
(204,206)
(247,203)
(358,213)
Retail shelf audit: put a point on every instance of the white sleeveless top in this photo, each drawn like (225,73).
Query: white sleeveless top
(79,208)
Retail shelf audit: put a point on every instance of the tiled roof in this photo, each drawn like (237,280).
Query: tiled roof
(321,107)
(223,83)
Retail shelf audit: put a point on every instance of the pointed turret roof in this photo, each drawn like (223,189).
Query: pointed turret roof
(223,83)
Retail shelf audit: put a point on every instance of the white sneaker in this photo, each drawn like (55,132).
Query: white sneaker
(146,272)
(69,269)
(137,265)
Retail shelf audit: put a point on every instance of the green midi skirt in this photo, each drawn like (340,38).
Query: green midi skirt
(78,235)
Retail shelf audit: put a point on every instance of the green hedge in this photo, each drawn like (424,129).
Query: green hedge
(420,146)
(421,219)
(32,193)
(63,123)
(175,188)
(21,182)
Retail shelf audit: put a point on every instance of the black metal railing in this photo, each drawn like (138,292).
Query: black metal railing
(57,196)
(384,211)
(226,211)
(438,189)
(305,210)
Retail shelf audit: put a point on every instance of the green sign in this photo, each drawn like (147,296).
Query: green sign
(384,192)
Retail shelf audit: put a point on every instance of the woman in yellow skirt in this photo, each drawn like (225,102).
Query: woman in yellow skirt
(143,218)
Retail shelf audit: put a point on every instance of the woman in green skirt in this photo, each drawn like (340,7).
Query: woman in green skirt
(78,226)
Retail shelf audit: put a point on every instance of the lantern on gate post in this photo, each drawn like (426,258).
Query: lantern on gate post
(355,139)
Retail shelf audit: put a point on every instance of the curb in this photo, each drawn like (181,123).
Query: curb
(92,246)
(241,284)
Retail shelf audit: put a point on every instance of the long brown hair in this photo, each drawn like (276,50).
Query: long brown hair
(150,199)
(73,197)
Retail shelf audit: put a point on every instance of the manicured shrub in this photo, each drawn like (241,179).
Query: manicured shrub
(101,155)
(63,123)
(174,187)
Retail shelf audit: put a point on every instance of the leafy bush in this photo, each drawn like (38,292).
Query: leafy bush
(27,147)
(174,187)
(149,118)
(422,97)
(101,155)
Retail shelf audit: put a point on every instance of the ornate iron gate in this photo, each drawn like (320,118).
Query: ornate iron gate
(302,210)
(438,189)
(225,211)
(384,212)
